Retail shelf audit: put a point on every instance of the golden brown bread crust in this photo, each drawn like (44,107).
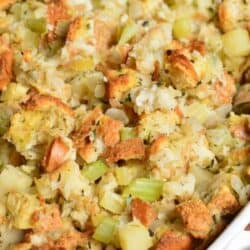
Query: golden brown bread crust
(241,130)
(37,101)
(174,240)
(224,202)
(48,219)
(57,10)
(109,130)
(157,143)
(6,63)
(143,212)
(104,35)
(196,218)
(196,45)
(73,28)
(126,150)
(181,63)
(55,155)
(84,146)
(118,84)
(6,3)
(225,90)
(69,240)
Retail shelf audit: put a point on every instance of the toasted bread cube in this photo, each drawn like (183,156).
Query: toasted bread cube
(125,150)
(119,82)
(196,218)
(40,101)
(143,211)
(57,10)
(224,202)
(47,219)
(174,240)
(104,34)
(6,3)
(230,14)
(182,71)
(109,130)
(6,62)
(86,148)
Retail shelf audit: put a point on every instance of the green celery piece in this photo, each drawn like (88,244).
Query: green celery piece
(95,170)
(127,133)
(37,25)
(128,32)
(145,189)
(106,230)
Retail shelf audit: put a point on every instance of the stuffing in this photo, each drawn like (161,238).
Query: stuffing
(74,29)
(6,63)
(196,218)
(119,83)
(125,150)
(149,99)
(44,118)
(13,179)
(21,207)
(169,157)
(153,124)
(174,240)
(57,11)
(230,14)
(88,148)
(143,212)
(39,102)
(68,239)
(47,219)
(182,71)
(149,49)
(104,34)
(55,155)
(6,3)
(109,130)
(14,93)
(123,123)
(71,182)
(239,127)
(223,202)
(225,90)
(180,188)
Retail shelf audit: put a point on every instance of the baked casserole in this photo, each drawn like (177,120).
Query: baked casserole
(124,124)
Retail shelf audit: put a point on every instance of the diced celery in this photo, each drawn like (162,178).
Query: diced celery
(128,32)
(96,219)
(83,64)
(236,42)
(145,189)
(134,236)
(95,170)
(112,202)
(127,133)
(125,175)
(182,28)
(106,230)
(37,25)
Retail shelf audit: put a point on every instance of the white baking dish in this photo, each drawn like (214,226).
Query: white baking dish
(234,237)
